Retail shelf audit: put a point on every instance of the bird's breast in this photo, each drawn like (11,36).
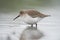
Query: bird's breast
(28,19)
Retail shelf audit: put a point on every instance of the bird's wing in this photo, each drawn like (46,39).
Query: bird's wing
(34,14)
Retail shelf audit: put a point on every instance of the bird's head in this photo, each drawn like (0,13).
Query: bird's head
(20,14)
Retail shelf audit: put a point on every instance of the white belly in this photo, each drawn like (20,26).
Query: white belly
(29,20)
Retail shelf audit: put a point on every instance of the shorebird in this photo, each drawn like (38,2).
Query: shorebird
(31,16)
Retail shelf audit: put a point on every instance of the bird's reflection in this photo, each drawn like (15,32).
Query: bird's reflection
(31,33)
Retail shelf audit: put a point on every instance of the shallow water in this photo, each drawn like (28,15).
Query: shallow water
(50,26)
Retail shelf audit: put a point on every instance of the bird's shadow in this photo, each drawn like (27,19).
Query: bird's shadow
(31,33)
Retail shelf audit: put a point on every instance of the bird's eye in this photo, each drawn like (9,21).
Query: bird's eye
(21,12)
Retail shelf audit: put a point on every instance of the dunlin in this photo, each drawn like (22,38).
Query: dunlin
(31,16)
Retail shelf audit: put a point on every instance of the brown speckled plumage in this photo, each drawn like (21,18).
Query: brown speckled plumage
(33,13)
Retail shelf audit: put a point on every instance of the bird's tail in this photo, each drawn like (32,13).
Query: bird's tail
(47,15)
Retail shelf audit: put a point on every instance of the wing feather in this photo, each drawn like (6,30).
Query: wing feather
(34,13)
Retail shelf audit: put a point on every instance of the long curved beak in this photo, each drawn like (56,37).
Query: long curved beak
(16,17)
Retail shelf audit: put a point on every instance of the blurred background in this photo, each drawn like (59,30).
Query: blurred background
(16,5)
(9,9)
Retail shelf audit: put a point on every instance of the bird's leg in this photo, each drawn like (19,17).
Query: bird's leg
(31,25)
(36,25)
